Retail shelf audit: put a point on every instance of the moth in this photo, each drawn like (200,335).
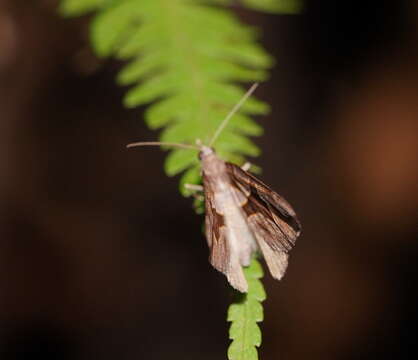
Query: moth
(243,215)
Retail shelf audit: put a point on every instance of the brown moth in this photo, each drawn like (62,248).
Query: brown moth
(243,215)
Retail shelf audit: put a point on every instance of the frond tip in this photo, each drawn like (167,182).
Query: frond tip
(79,7)
(183,57)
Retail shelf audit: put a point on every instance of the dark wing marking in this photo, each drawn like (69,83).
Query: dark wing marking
(214,229)
(272,204)
(270,217)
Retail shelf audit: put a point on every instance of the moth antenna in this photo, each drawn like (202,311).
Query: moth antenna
(158,143)
(232,112)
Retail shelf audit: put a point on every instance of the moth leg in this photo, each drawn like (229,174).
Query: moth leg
(194,187)
(247,166)
(196,191)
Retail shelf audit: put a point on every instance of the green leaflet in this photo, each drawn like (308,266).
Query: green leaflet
(179,160)
(275,6)
(244,314)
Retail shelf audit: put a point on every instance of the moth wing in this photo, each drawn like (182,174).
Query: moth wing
(270,217)
(270,239)
(268,201)
(221,257)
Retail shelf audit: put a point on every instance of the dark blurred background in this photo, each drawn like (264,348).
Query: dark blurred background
(101,257)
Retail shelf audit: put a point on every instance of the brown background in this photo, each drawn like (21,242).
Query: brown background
(101,257)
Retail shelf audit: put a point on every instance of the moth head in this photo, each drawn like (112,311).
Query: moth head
(205,151)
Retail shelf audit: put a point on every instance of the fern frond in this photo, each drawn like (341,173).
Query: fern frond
(244,314)
(184,57)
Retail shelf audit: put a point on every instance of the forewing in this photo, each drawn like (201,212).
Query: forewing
(270,217)
(221,257)
(267,201)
